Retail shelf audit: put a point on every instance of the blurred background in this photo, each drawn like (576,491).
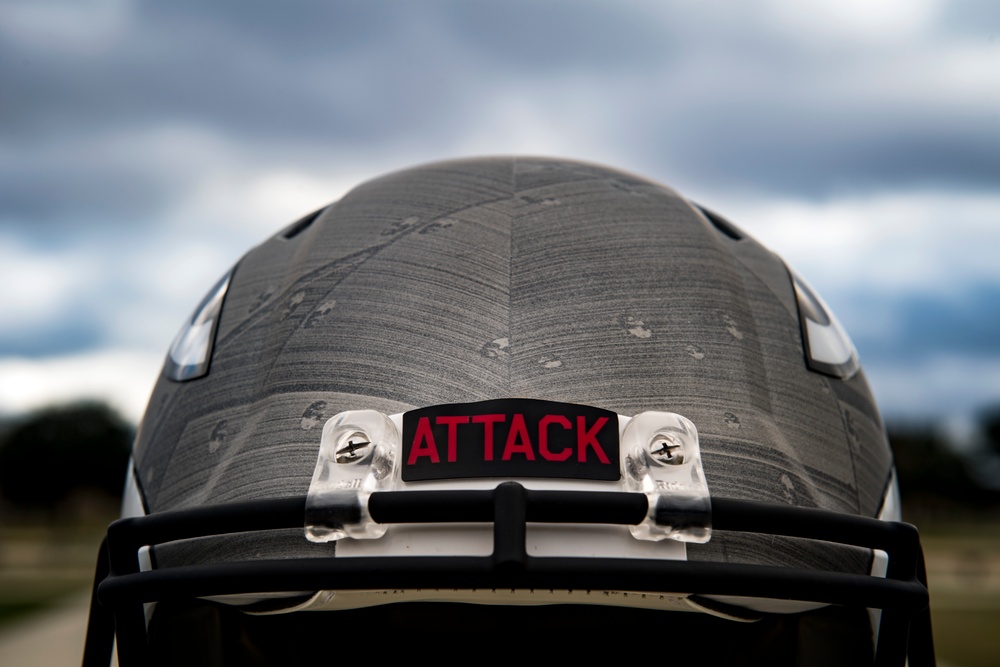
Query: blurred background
(144,147)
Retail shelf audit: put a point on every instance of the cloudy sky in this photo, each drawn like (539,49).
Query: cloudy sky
(145,146)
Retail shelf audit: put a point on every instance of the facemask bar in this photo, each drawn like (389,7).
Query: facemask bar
(122,589)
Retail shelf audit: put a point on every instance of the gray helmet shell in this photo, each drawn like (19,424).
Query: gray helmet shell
(512,277)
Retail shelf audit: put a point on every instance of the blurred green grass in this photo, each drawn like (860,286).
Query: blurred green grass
(963,574)
(967,638)
(43,563)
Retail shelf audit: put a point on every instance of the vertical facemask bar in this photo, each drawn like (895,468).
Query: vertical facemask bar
(890,511)
(894,627)
(101,622)
(921,639)
(130,619)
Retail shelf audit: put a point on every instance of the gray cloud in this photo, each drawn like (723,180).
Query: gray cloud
(966,325)
(119,122)
(82,188)
(971,17)
(70,336)
(304,72)
(816,152)
(721,97)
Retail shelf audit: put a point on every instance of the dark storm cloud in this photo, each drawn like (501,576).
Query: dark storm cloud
(972,17)
(280,84)
(815,151)
(694,96)
(145,136)
(926,325)
(154,77)
(79,187)
(71,336)
(514,33)
(343,71)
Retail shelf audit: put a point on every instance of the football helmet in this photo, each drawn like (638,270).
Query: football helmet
(512,396)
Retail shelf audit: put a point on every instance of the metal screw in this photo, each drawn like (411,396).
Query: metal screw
(352,447)
(666,449)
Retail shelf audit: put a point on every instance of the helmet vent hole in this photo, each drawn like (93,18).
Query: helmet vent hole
(300,225)
(722,224)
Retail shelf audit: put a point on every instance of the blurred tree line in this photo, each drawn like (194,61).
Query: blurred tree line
(938,479)
(64,461)
(52,458)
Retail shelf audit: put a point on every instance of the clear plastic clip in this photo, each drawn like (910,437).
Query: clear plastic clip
(661,458)
(357,457)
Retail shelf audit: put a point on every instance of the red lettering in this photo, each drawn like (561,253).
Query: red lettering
(452,422)
(543,438)
(488,421)
(423,443)
(518,431)
(585,438)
